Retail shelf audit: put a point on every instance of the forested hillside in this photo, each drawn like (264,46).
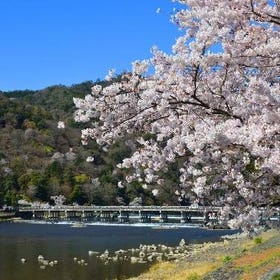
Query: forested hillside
(39,160)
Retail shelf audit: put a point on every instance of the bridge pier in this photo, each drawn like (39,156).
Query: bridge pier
(163,217)
(144,217)
(38,215)
(123,217)
(53,215)
(106,217)
(88,216)
(212,218)
(185,217)
(206,217)
(72,215)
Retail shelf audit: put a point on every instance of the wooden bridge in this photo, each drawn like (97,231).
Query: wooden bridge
(124,214)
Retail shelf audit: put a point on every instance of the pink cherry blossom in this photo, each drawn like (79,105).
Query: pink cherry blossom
(214,103)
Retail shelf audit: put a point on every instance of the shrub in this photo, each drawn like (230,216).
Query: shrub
(275,276)
(81,178)
(227,259)
(193,276)
(244,250)
(258,240)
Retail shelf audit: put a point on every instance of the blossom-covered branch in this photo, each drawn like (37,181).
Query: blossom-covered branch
(214,102)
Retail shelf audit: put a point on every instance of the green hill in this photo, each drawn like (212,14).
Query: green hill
(38,160)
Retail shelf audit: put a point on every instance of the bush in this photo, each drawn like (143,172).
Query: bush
(275,276)
(258,240)
(244,250)
(194,276)
(227,259)
(81,178)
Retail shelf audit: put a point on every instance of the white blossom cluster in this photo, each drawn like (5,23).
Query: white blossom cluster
(214,103)
(61,125)
(90,159)
(58,199)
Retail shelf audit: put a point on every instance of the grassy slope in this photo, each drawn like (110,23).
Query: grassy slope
(235,259)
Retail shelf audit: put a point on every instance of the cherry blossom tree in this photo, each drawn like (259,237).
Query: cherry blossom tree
(213,103)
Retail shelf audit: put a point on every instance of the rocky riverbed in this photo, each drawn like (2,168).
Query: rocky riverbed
(146,253)
(235,258)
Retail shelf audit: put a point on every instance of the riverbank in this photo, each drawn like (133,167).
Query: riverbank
(6,215)
(239,258)
(11,219)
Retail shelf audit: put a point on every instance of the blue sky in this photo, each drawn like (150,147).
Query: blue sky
(48,42)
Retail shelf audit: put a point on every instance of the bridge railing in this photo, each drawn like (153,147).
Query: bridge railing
(120,208)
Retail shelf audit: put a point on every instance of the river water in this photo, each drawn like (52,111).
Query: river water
(62,242)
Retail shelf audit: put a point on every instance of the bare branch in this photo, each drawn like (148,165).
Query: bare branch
(271,18)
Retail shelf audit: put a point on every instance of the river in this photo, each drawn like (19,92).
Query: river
(63,243)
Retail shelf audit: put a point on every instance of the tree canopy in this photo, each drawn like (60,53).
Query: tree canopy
(212,107)
(41,156)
